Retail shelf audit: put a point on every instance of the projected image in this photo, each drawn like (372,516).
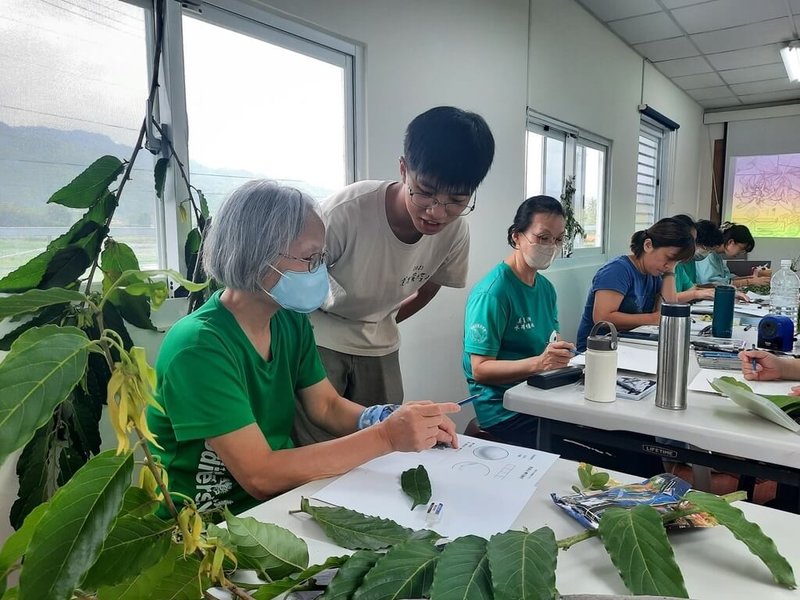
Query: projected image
(766,194)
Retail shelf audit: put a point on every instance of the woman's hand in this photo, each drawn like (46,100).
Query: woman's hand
(420,425)
(555,356)
(767,366)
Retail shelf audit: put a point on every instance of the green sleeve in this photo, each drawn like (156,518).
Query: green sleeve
(204,394)
(310,370)
(682,280)
(485,320)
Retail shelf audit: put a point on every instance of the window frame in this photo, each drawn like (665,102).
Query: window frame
(573,136)
(260,23)
(661,135)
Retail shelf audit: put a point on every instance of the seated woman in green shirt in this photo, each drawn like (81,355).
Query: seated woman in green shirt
(706,236)
(229,372)
(511,321)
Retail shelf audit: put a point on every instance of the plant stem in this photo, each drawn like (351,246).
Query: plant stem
(151,464)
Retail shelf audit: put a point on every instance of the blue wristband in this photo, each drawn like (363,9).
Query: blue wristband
(375,414)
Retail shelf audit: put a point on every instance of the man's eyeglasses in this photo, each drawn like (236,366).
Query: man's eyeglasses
(544,240)
(314,261)
(427,200)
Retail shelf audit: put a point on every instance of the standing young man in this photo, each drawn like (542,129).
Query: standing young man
(391,246)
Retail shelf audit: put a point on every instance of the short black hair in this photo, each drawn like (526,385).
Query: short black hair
(450,148)
(528,209)
(666,232)
(708,234)
(739,234)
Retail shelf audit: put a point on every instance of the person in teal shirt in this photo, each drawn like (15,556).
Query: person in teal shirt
(736,239)
(228,373)
(706,235)
(511,321)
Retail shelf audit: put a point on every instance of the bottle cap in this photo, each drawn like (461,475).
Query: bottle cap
(675,310)
(604,343)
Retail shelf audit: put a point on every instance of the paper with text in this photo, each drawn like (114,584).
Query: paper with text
(701,382)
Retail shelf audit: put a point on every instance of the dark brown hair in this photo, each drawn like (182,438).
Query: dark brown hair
(666,232)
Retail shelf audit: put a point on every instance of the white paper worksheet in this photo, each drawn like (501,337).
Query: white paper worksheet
(482,486)
(701,382)
(630,357)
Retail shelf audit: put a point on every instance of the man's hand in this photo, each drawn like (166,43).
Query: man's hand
(420,425)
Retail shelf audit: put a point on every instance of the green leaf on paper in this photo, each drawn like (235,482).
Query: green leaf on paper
(268,548)
(43,366)
(417,484)
(70,535)
(132,546)
(160,175)
(287,584)
(746,532)
(350,576)
(405,571)
(33,300)
(91,185)
(638,546)
(356,531)
(462,572)
(523,565)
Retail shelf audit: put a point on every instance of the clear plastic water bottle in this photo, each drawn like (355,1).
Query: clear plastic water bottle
(784,291)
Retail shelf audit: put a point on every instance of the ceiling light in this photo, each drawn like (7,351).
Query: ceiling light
(791,60)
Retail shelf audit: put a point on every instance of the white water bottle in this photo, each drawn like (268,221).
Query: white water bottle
(783,293)
(600,375)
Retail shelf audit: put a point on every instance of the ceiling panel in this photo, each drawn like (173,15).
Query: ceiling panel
(749,57)
(761,87)
(646,28)
(609,10)
(760,73)
(666,49)
(723,53)
(746,36)
(684,66)
(691,82)
(721,14)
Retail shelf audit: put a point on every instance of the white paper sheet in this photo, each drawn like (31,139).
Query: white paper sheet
(483,486)
(701,382)
(639,358)
(706,307)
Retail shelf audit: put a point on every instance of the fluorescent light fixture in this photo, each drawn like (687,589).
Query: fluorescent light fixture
(791,60)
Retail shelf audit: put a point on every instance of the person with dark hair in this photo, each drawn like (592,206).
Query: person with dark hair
(228,374)
(392,245)
(511,321)
(736,239)
(628,290)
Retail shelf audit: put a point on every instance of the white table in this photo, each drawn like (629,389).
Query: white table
(711,422)
(714,564)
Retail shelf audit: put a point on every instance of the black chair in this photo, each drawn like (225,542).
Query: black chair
(473,429)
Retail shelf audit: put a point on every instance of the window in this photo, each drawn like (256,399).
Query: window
(243,94)
(555,151)
(650,169)
(74,83)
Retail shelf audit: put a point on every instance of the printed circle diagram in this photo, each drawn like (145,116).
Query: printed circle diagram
(474,468)
(490,452)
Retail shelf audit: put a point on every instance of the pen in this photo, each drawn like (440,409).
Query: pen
(467,400)
(755,362)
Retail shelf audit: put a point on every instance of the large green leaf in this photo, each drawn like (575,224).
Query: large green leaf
(42,368)
(191,249)
(274,550)
(350,576)
(33,300)
(462,572)
(638,546)
(91,185)
(356,531)
(87,232)
(160,175)
(523,565)
(70,535)
(405,571)
(65,267)
(287,584)
(50,315)
(182,584)
(134,309)
(132,546)
(138,503)
(17,543)
(746,532)
(417,485)
(116,258)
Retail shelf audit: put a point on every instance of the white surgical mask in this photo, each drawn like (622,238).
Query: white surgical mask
(540,257)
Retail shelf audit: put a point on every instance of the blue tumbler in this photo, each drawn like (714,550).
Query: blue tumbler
(722,321)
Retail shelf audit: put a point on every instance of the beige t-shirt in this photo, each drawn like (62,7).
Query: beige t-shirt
(372,271)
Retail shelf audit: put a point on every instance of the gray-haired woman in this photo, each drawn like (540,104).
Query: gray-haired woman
(229,372)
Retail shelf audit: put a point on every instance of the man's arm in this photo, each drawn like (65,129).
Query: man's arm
(418,300)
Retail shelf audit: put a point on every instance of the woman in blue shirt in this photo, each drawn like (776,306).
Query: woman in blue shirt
(627,290)
(511,320)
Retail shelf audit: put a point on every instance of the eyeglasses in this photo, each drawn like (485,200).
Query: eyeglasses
(427,200)
(545,240)
(314,261)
